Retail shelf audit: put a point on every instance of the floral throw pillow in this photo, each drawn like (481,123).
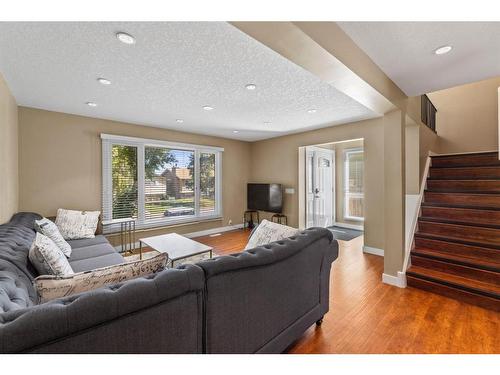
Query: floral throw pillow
(51,287)
(49,229)
(267,232)
(48,258)
(74,225)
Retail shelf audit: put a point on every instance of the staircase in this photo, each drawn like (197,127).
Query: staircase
(456,249)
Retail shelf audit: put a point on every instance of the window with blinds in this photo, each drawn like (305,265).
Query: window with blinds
(354,185)
(159,182)
(124,181)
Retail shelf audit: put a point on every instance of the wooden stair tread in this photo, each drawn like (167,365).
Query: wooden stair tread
(455,293)
(463,186)
(458,222)
(455,205)
(470,261)
(461,282)
(469,233)
(437,237)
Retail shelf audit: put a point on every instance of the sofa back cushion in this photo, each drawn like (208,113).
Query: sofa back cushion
(16,272)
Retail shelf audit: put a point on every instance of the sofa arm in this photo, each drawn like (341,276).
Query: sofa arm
(176,291)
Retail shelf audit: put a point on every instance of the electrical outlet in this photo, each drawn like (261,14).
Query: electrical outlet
(230,222)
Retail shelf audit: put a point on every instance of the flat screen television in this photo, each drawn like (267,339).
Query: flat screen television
(265,197)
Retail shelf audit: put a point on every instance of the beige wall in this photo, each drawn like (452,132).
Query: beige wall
(276,160)
(9,178)
(467,117)
(412,155)
(60,164)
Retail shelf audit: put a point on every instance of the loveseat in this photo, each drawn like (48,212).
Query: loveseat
(257,301)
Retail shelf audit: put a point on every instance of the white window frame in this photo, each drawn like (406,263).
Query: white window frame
(108,141)
(348,194)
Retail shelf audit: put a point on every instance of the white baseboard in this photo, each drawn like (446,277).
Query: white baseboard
(212,231)
(399,280)
(349,226)
(200,233)
(373,251)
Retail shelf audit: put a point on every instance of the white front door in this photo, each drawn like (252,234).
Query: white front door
(320,187)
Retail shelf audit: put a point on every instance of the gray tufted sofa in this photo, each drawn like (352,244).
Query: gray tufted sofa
(257,301)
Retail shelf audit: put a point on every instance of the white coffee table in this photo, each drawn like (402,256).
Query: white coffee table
(176,246)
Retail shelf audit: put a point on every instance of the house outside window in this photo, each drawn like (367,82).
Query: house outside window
(160,183)
(354,184)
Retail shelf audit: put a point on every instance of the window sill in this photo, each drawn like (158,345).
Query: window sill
(353,218)
(163,224)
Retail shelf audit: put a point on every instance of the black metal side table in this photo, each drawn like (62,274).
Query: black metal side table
(248,218)
(279,218)
(127,233)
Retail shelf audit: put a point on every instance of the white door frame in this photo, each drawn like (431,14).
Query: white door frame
(312,151)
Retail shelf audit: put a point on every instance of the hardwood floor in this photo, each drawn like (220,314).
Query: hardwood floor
(368,316)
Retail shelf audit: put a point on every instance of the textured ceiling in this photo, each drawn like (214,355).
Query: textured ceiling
(405,52)
(173,70)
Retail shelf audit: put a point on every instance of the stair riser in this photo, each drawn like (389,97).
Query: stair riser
(492,186)
(455,269)
(464,173)
(462,215)
(487,236)
(489,255)
(455,293)
(467,160)
(466,200)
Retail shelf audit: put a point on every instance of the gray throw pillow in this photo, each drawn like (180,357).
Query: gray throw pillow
(47,258)
(49,229)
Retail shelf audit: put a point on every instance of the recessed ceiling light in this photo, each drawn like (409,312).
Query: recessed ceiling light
(236,131)
(251,86)
(91,104)
(311,111)
(179,120)
(442,50)
(104,81)
(208,108)
(125,38)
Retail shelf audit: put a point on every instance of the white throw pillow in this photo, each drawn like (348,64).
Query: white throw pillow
(51,287)
(74,225)
(267,232)
(48,258)
(49,229)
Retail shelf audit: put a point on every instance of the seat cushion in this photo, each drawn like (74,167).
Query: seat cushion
(91,252)
(83,242)
(90,264)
